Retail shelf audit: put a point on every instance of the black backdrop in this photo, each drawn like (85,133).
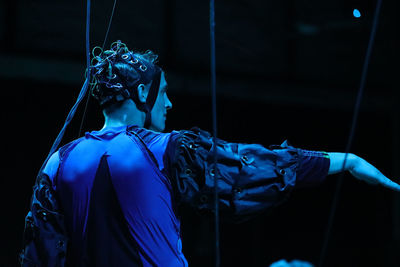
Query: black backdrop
(272,87)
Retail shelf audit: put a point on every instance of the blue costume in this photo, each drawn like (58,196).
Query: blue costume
(118,190)
(113,193)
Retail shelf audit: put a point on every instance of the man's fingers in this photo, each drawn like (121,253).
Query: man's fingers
(391,185)
(386,182)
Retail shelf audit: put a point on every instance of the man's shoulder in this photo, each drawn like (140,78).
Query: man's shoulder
(52,164)
(68,147)
(149,136)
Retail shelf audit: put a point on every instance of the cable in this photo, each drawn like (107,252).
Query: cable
(353,127)
(109,25)
(102,49)
(214,115)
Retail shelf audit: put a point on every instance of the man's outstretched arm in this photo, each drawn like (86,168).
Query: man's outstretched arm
(360,169)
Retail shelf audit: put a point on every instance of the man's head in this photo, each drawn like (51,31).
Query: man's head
(122,77)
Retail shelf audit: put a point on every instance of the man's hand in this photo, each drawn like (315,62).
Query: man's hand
(360,169)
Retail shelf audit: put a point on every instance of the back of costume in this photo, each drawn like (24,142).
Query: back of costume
(116,201)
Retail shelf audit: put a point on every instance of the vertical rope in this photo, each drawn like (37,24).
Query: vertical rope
(88,6)
(214,115)
(353,128)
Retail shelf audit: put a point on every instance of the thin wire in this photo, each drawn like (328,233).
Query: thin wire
(84,112)
(88,69)
(214,113)
(352,132)
(109,25)
(67,121)
(102,49)
(88,7)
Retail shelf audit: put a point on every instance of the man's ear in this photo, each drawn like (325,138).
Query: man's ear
(143,91)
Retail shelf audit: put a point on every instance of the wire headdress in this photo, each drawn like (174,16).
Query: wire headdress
(116,74)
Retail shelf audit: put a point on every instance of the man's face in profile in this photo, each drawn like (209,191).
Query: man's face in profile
(161,106)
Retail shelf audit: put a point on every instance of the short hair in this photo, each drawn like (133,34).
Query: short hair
(117,72)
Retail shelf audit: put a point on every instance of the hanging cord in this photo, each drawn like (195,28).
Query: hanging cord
(102,49)
(85,86)
(109,25)
(353,128)
(214,114)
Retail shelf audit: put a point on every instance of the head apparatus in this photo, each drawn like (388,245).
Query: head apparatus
(118,72)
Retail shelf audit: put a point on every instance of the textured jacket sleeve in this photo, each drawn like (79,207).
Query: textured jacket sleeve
(251,178)
(45,239)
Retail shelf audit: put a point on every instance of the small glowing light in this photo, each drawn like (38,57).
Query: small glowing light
(356,13)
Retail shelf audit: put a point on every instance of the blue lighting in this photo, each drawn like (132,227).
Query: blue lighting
(356,13)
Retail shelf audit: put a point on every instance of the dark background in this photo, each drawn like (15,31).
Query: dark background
(285,70)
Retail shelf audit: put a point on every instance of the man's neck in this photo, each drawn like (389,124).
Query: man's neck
(112,122)
(127,114)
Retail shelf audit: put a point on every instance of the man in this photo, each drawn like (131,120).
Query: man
(119,188)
